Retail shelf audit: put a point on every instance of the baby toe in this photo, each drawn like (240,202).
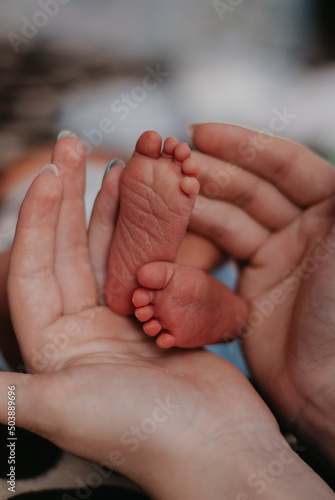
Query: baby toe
(190,167)
(155,275)
(190,186)
(182,152)
(165,341)
(170,145)
(149,144)
(142,297)
(152,328)
(145,313)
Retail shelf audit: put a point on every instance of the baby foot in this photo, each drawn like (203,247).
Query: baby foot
(185,306)
(157,196)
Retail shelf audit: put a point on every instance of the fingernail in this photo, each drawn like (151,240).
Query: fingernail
(112,163)
(65,133)
(190,130)
(51,168)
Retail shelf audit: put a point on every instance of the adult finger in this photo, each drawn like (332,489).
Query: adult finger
(102,225)
(72,261)
(229,227)
(34,296)
(297,172)
(259,198)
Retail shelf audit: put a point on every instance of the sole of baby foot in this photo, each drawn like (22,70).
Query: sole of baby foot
(158,189)
(185,307)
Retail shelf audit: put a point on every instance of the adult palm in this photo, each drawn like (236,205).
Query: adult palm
(270,204)
(98,387)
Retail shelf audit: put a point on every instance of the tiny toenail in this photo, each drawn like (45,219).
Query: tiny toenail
(113,163)
(51,168)
(65,133)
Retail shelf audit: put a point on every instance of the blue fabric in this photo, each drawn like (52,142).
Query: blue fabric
(232,352)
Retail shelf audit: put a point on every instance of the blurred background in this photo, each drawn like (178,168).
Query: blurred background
(110,69)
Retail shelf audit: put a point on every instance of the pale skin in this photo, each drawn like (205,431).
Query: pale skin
(283,196)
(108,377)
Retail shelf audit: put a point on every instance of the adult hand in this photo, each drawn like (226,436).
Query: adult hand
(180,424)
(270,204)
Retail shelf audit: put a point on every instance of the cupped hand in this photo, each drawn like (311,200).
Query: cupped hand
(96,386)
(270,204)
